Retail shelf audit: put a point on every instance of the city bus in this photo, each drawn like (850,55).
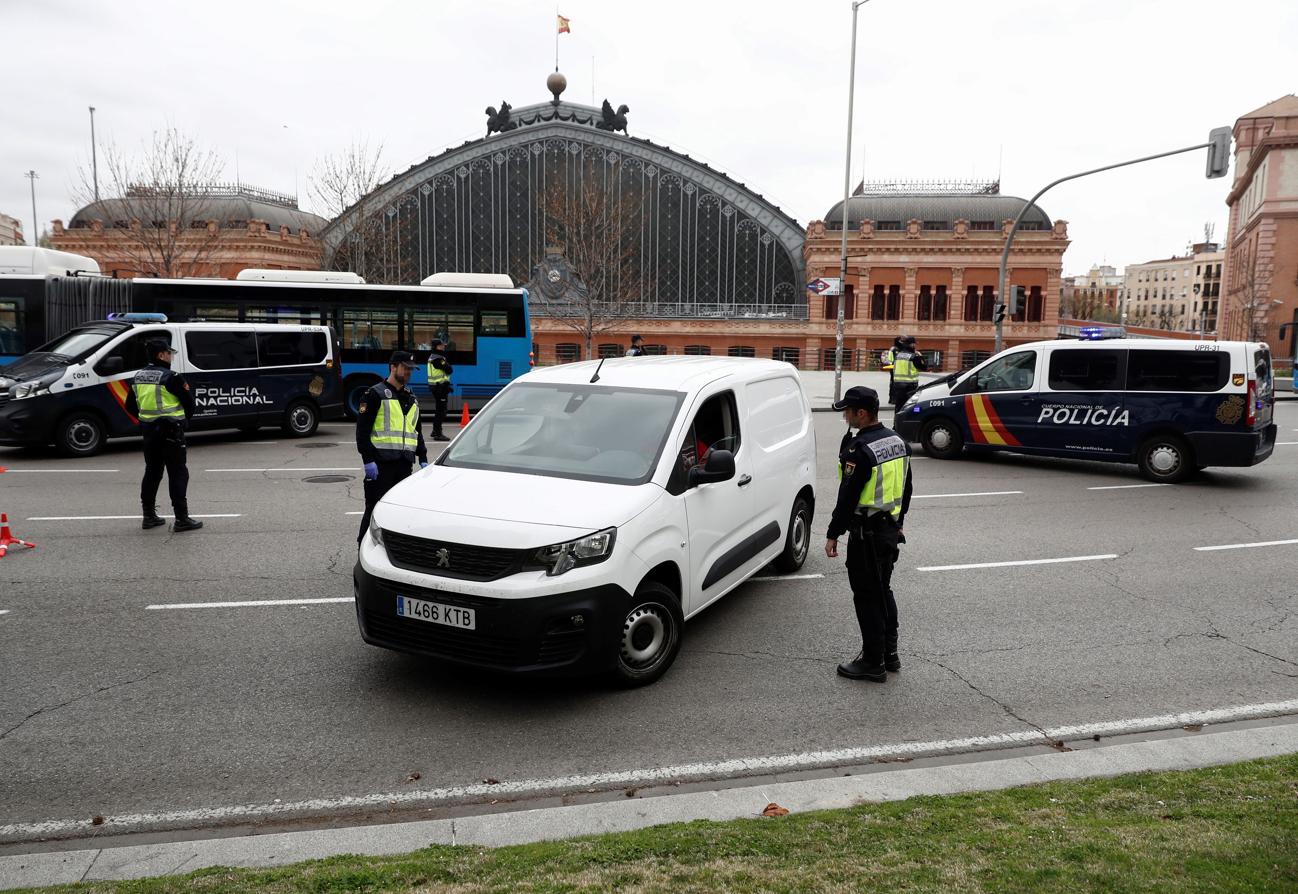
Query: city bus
(482,318)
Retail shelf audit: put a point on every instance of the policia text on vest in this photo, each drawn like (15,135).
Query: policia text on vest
(387,433)
(162,400)
(873,496)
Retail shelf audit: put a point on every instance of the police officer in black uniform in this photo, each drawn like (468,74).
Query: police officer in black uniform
(873,496)
(439,385)
(387,433)
(162,401)
(637,347)
(907,363)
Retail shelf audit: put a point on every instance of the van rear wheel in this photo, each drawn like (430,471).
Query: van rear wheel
(798,540)
(941,439)
(1166,459)
(650,636)
(301,419)
(79,434)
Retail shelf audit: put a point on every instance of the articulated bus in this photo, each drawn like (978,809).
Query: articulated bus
(482,318)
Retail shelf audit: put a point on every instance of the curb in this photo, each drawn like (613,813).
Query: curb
(542,824)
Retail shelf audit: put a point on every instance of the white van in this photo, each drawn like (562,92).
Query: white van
(588,510)
(1172,407)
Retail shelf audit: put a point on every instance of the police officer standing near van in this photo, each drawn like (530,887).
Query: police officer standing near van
(162,401)
(873,496)
(637,347)
(439,385)
(387,433)
(907,363)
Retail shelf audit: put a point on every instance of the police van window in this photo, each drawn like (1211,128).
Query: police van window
(1015,372)
(131,350)
(1177,370)
(291,348)
(222,349)
(1079,369)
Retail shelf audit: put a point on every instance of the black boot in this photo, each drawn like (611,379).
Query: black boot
(185,523)
(151,518)
(891,660)
(861,669)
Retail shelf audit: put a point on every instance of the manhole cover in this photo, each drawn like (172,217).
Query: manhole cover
(318,444)
(327,479)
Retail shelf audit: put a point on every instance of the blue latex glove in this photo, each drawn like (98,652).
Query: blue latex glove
(423,465)
(371,471)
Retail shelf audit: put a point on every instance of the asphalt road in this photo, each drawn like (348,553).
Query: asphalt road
(110,707)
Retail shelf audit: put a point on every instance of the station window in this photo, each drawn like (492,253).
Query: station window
(655,350)
(608,351)
(567,352)
(741,351)
(697,350)
(788,355)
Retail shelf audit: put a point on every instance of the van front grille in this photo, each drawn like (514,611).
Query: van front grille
(457,560)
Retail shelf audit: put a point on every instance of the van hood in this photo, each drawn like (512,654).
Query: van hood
(523,500)
(33,366)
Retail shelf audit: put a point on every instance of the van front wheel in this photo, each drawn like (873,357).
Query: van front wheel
(650,636)
(80,434)
(798,540)
(941,439)
(1166,459)
(301,419)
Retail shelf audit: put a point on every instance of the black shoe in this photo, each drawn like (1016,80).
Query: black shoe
(891,660)
(152,521)
(858,669)
(186,523)
(440,438)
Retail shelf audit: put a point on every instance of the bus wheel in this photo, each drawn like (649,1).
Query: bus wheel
(354,392)
(301,419)
(80,434)
(1166,459)
(941,439)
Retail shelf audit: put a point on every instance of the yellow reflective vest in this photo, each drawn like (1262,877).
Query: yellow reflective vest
(153,399)
(436,376)
(903,366)
(886,487)
(395,434)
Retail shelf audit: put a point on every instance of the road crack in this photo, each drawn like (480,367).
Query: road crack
(49,709)
(1049,740)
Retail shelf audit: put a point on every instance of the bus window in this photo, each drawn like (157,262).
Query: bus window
(455,327)
(297,316)
(11,328)
(376,330)
(495,323)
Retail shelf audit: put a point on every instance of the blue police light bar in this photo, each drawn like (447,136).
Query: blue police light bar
(1092,333)
(138,318)
(1096,333)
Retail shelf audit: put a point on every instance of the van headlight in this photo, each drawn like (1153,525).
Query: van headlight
(35,387)
(375,531)
(562,557)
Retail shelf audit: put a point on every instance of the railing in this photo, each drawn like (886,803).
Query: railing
(687,311)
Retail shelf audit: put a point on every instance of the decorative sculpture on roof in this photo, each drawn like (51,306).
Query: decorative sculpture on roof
(499,122)
(613,121)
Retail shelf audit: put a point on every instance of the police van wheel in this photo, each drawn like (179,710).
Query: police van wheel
(650,636)
(301,420)
(80,434)
(941,439)
(1166,459)
(798,541)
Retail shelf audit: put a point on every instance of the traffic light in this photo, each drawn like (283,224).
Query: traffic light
(1018,294)
(998,314)
(1218,153)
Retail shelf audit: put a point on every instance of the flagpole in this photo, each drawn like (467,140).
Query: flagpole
(556,38)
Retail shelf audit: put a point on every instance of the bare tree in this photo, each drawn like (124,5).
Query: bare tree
(159,216)
(589,280)
(345,182)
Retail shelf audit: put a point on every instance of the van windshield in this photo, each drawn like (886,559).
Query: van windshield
(587,432)
(79,342)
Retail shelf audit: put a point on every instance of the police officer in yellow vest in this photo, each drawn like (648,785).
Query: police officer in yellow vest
(387,433)
(162,401)
(873,496)
(907,363)
(439,385)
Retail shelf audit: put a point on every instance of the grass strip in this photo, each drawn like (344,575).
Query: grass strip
(1223,829)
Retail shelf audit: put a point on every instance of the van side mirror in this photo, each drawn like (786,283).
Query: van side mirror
(720,466)
(111,366)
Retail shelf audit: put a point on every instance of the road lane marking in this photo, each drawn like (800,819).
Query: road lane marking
(292,469)
(357,512)
(1206,549)
(726,769)
(788,577)
(986,493)
(1278,444)
(4,611)
(248,603)
(136,516)
(1020,562)
(1126,486)
(55,471)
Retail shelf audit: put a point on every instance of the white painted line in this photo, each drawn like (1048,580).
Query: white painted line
(53,471)
(136,516)
(788,577)
(1022,562)
(357,512)
(4,611)
(1126,486)
(1207,549)
(248,604)
(726,769)
(986,493)
(1277,443)
(292,469)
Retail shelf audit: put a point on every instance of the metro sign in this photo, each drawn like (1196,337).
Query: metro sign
(818,286)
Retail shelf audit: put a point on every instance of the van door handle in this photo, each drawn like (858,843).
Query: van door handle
(745,479)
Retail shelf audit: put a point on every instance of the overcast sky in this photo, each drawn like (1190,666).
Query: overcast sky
(1033,89)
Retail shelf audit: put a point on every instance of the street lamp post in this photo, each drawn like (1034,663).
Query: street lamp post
(94,157)
(847,187)
(36,227)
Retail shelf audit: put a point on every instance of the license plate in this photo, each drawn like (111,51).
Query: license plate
(436,613)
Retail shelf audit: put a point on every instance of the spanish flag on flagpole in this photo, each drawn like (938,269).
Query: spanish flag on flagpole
(563,25)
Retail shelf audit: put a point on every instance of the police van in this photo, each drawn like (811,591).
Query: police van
(72,391)
(588,510)
(1171,407)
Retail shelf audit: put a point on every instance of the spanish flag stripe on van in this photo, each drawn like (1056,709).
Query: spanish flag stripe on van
(984,424)
(118,390)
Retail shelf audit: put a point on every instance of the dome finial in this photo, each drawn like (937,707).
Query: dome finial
(556,84)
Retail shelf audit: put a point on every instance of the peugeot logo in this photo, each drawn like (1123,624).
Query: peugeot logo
(443,557)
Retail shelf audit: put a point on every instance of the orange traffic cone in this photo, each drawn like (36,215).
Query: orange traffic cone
(7,538)
(464,415)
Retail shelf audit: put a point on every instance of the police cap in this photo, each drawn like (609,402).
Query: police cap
(403,358)
(861,398)
(908,339)
(155,346)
